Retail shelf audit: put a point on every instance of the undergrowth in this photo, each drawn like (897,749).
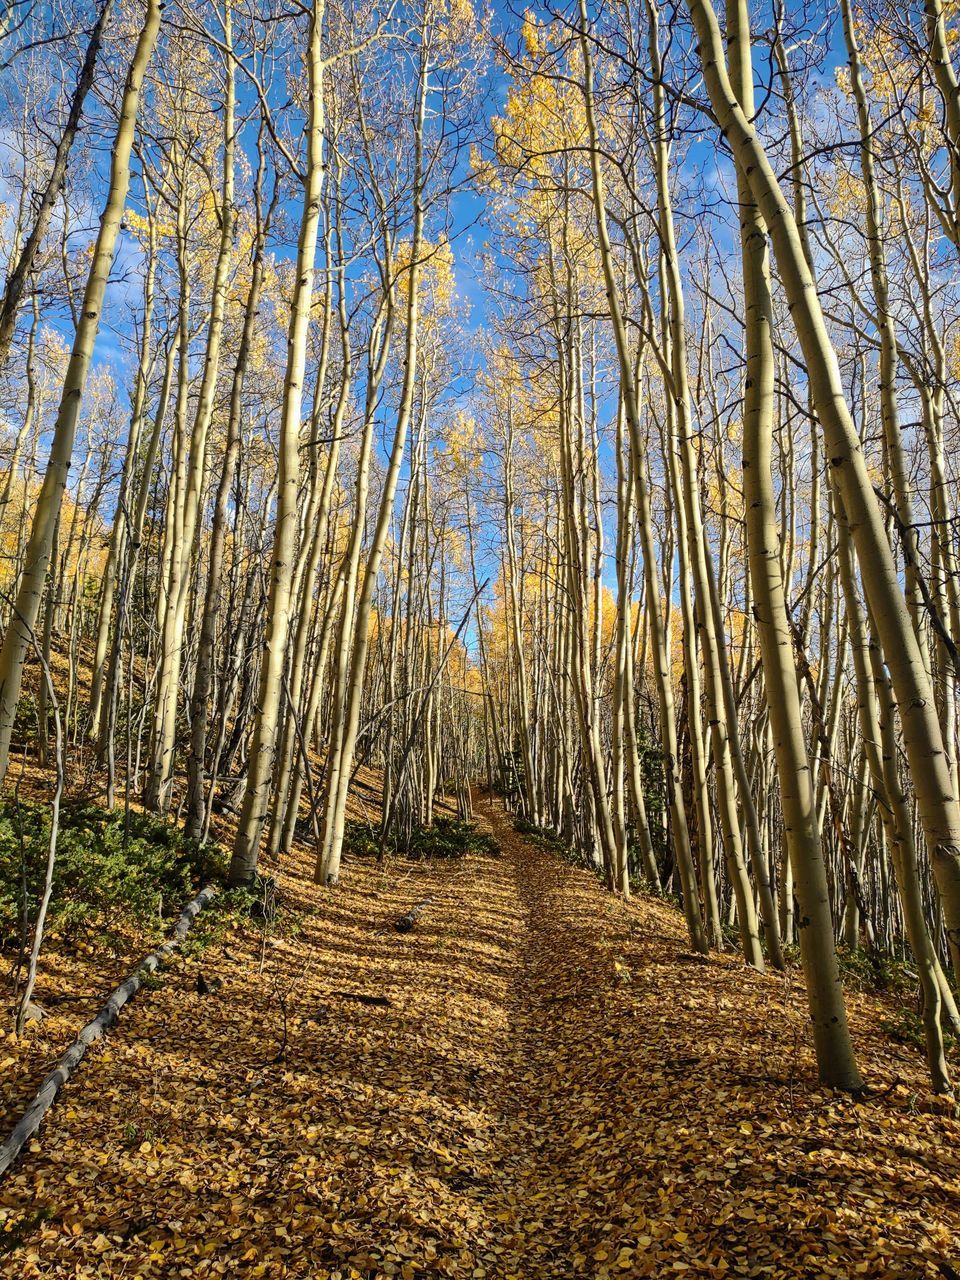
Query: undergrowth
(447,838)
(905,1025)
(548,839)
(545,838)
(553,843)
(110,867)
(232,908)
(863,971)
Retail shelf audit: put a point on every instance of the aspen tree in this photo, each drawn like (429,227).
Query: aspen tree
(945,76)
(835,1056)
(693,687)
(26,608)
(319,518)
(516,624)
(933,775)
(197,815)
(119,530)
(131,555)
(693,547)
(20,270)
(631,736)
(189,496)
(622,656)
(573,466)
(26,426)
(884,320)
(922,735)
(256,798)
(328,860)
(929,377)
(894,811)
(691,899)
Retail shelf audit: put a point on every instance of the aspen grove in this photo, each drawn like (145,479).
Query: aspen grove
(428,432)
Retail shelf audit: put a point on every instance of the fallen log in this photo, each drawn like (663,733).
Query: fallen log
(43,1100)
(406,922)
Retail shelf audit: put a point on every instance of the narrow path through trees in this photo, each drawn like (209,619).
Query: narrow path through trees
(557,1088)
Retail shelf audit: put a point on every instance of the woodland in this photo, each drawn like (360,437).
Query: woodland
(480,660)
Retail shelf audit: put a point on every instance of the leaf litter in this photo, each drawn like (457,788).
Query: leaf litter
(533,1084)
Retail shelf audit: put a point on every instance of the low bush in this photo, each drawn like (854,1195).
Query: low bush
(862,971)
(447,838)
(905,1025)
(109,866)
(450,838)
(542,836)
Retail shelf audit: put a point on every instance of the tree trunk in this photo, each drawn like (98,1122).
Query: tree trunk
(24,616)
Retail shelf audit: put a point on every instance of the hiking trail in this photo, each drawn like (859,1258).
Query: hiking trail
(556,1089)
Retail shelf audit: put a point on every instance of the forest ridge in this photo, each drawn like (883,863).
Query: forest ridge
(432,435)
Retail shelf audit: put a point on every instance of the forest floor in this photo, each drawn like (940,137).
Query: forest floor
(556,1089)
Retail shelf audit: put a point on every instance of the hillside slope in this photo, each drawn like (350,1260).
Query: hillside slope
(555,1089)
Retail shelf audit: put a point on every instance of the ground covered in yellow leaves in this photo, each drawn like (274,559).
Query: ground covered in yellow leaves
(555,1089)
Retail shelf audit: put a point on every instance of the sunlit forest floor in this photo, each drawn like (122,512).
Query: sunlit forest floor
(551,1086)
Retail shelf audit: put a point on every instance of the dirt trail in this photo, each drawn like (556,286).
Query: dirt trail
(556,1090)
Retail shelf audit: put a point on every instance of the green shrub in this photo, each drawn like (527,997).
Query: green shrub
(861,971)
(450,838)
(542,836)
(361,840)
(906,1027)
(447,838)
(142,869)
(549,840)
